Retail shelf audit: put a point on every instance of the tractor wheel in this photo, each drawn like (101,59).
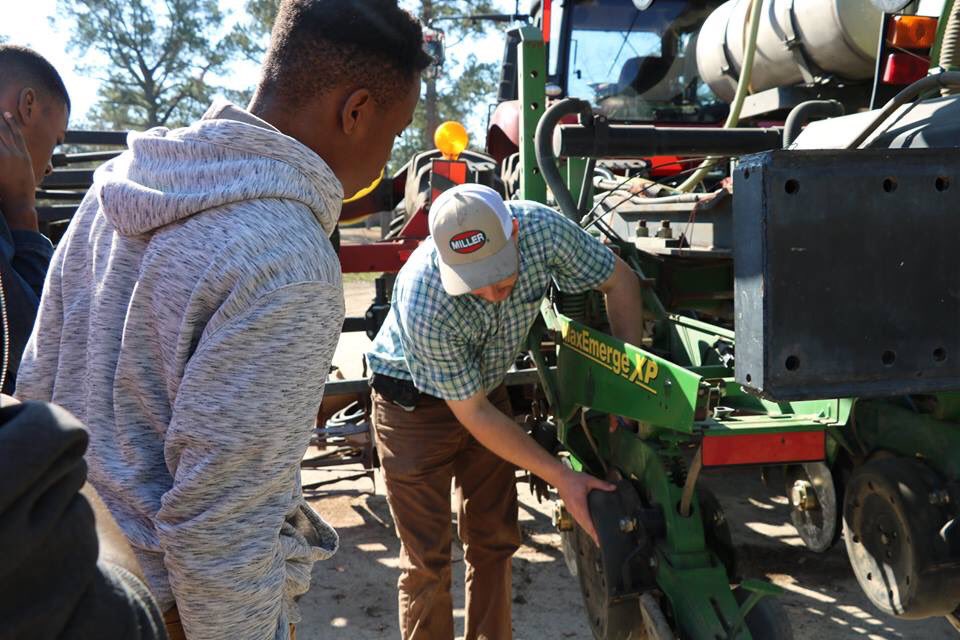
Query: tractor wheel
(609,619)
(568,545)
(568,537)
(767,619)
(814,497)
(899,538)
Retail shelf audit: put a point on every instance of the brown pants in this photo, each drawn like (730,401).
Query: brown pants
(171,619)
(420,452)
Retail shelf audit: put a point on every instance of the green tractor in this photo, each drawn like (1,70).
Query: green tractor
(800,302)
(801,305)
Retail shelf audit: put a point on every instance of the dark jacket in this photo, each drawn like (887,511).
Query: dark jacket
(24,259)
(51,584)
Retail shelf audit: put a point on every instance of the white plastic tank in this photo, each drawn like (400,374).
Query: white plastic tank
(837,36)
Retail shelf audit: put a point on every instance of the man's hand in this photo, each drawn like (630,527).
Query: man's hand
(114,546)
(504,437)
(573,488)
(17,182)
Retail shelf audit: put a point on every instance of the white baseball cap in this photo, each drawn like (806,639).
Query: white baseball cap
(473,230)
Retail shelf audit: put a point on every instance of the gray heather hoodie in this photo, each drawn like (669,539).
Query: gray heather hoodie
(188,319)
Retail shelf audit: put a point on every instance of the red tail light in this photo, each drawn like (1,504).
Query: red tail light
(904,68)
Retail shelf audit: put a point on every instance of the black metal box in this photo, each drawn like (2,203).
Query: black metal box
(847,272)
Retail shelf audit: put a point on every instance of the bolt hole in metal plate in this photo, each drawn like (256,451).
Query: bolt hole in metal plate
(846,279)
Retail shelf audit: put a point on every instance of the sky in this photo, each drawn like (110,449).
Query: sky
(35,24)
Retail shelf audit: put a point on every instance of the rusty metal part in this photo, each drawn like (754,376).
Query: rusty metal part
(802,496)
(562,519)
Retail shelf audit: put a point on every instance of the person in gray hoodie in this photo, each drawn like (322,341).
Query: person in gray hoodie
(191,311)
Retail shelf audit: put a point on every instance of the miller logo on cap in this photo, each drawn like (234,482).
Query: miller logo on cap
(468,241)
(472,229)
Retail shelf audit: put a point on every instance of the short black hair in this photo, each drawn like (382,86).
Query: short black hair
(317,45)
(20,64)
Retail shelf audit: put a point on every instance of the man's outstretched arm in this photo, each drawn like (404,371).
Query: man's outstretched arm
(504,437)
(624,303)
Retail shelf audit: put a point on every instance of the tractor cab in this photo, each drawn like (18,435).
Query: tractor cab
(635,61)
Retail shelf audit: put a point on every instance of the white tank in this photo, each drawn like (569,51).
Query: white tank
(838,36)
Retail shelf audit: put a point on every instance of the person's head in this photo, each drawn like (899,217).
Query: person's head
(343,78)
(32,90)
(476,239)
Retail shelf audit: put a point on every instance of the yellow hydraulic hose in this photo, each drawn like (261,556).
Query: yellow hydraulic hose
(743,85)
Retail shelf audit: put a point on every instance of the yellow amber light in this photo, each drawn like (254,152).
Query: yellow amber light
(451,139)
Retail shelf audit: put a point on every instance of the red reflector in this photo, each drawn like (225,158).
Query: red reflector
(446,174)
(904,68)
(763,448)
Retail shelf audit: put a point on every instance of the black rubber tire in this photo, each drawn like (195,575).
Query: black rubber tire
(768,619)
(608,621)
(894,538)
(716,530)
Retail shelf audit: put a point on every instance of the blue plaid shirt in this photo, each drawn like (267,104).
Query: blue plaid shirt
(452,347)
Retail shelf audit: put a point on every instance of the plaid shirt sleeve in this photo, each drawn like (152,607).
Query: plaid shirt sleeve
(580,262)
(439,359)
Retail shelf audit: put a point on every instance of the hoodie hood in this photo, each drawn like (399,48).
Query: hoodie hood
(169,175)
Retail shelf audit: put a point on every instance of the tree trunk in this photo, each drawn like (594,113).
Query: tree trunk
(432,115)
(430,98)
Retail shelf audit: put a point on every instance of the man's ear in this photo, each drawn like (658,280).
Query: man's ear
(357,111)
(516,227)
(27,105)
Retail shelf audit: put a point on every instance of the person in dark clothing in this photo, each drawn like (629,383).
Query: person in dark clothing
(58,578)
(34,109)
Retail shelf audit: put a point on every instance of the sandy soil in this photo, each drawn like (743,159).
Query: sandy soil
(354,594)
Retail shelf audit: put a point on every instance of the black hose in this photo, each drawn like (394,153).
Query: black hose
(547,161)
(940,80)
(801,114)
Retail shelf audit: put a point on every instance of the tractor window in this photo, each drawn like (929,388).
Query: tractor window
(639,65)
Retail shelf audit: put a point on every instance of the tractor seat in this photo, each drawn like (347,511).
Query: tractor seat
(640,74)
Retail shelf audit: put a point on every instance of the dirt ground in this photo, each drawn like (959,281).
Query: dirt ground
(354,593)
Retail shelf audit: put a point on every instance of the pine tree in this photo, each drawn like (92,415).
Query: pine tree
(453,95)
(449,96)
(160,56)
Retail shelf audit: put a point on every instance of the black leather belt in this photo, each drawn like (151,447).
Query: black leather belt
(400,392)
